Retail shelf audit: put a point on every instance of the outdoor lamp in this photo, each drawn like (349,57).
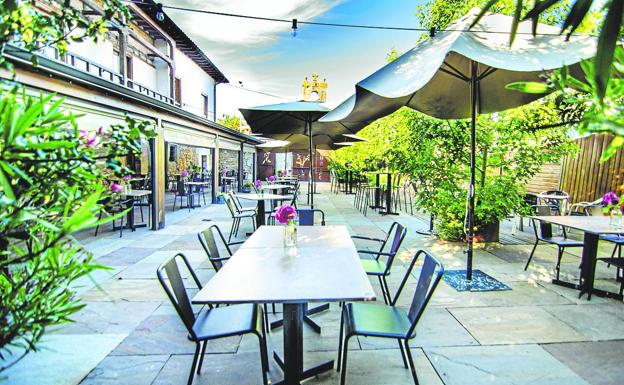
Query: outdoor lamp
(294,27)
(160,15)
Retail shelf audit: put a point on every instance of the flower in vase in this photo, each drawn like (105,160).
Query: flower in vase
(271,179)
(610,199)
(127,177)
(258,183)
(116,188)
(184,174)
(285,214)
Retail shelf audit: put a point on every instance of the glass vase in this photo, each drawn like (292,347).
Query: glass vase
(290,234)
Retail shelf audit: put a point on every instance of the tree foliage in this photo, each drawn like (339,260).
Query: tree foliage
(54,181)
(230,121)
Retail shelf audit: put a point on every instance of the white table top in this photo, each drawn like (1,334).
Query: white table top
(551,196)
(275,186)
(274,274)
(588,224)
(136,193)
(263,197)
(307,236)
(198,183)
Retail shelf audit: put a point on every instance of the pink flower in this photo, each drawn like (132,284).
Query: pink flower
(258,183)
(271,179)
(91,138)
(127,177)
(116,187)
(104,182)
(285,213)
(100,130)
(184,174)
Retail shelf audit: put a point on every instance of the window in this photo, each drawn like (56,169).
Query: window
(177,91)
(205,105)
(129,67)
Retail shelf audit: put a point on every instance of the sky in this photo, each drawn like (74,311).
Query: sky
(265,57)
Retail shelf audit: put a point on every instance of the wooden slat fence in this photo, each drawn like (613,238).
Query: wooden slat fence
(584,177)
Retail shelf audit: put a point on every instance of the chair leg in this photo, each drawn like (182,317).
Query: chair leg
(201,357)
(383,290)
(531,256)
(345,349)
(386,289)
(340,340)
(411,362)
(195,357)
(175,198)
(402,352)
(98,226)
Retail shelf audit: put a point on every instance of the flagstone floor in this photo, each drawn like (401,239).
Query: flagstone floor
(537,333)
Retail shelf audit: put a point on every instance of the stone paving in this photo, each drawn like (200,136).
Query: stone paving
(537,333)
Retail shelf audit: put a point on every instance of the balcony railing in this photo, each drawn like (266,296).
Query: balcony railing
(105,73)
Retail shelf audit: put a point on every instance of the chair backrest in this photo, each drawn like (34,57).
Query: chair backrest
(176,291)
(542,211)
(397,240)
(388,234)
(306,217)
(429,278)
(229,201)
(209,244)
(181,188)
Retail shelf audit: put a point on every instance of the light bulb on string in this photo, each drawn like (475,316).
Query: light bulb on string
(294,27)
(160,15)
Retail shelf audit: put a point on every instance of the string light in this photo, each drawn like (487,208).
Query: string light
(160,15)
(296,22)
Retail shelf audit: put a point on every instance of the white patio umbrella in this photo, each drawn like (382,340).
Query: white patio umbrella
(460,73)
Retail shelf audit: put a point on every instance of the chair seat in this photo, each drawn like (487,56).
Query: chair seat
(373,266)
(377,320)
(226,321)
(612,238)
(245,214)
(561,241)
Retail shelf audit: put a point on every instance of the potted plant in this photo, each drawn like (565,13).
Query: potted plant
(279,172)
(247,187)
(220,198)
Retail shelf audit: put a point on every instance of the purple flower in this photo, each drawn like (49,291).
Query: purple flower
(609,199)
(116,187)
(184,174)
(104,182)
(271,179)
(285,213)
(258,183)
(91,138)
(127,177)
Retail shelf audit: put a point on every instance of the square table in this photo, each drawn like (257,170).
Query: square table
(260,198)
(134,193)
(262,270)
(592,227)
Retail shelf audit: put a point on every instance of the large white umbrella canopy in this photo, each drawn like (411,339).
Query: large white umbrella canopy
(460,73)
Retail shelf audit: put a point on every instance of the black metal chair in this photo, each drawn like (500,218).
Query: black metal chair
(114,207)
(183,190)
(377,267)
(544,233)
(556,205)
(210,323)
(237,216)
(306,216)
(209,244)
(379,240)
(390,321)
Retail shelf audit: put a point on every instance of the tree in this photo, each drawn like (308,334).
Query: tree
(55,179)
(230,121)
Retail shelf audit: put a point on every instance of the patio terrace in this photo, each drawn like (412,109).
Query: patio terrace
(537,333)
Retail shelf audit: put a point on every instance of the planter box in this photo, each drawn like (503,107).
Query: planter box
(487,233)
(220,199)
(246,189)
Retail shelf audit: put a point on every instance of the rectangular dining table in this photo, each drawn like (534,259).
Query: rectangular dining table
(592,227)
(324,267)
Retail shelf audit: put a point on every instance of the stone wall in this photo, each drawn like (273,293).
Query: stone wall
(228,160)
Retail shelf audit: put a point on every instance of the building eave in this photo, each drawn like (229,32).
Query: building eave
(54,68)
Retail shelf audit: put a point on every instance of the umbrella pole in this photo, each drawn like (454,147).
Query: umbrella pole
(311,178)
(474,100)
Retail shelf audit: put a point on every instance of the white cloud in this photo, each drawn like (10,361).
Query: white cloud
(229,43)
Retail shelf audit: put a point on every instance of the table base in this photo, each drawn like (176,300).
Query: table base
(308,312)
(594,291)
(311,372)
(388,213)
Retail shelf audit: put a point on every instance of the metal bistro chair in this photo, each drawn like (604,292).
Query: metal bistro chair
(377,267)
(556,205)
(544,234)
(390,321)
(237,216)
(114,207)
(210,323)
(209,244)
(183,190)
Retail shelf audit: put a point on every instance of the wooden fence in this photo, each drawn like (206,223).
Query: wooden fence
(584,177)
